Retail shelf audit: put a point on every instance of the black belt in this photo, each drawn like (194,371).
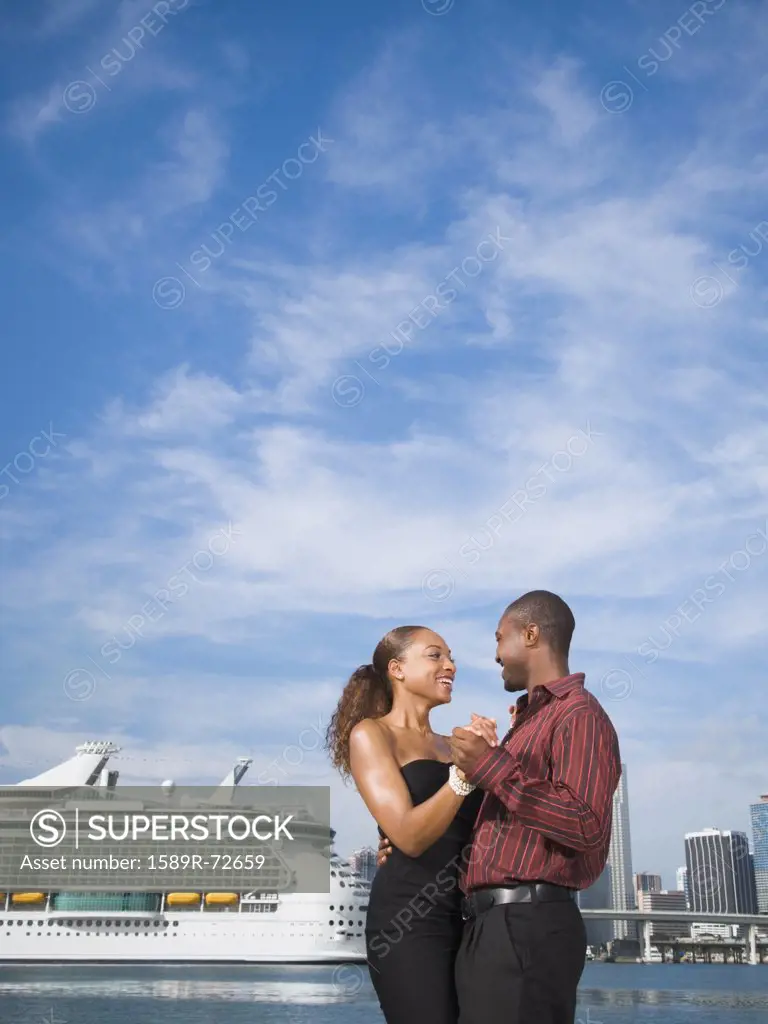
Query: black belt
(520,892)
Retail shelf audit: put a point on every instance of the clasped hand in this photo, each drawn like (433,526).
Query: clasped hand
(468,744)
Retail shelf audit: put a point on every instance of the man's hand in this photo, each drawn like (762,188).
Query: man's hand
(467,748)
(385,848)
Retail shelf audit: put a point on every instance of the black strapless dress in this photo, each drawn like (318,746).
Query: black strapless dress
(414,925)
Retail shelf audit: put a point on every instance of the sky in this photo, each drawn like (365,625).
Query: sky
(322,319)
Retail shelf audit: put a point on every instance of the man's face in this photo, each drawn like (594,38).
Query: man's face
(512,654)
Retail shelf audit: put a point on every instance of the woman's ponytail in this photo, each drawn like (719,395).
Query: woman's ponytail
(368,694)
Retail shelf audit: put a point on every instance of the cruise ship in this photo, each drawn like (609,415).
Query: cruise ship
(177,927)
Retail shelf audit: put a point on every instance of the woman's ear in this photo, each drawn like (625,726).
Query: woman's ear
(395,670)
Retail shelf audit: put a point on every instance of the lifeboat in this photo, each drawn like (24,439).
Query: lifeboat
(182,899)
(28,897)
(219,898)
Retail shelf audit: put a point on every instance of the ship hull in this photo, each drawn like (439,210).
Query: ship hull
(173,938)
(299,930)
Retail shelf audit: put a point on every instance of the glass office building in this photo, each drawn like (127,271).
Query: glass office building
(720,872)
(759,814)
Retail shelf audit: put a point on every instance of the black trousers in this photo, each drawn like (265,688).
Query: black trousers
(413,973)
(520,963)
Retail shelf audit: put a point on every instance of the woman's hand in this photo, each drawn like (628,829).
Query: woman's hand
(485,727)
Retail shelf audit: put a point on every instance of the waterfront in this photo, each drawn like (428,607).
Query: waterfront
(204,994)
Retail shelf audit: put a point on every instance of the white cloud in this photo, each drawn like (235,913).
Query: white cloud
(187,177)
(574,115)
(61,15)
(586,316)
(376,116)
(186,404)
(32,115)
(121,60)
(313,510)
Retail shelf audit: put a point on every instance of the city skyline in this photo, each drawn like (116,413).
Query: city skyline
(720,874)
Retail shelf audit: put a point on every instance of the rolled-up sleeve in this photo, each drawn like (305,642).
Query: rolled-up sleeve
(574,806)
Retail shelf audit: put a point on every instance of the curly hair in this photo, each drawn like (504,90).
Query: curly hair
(368,694)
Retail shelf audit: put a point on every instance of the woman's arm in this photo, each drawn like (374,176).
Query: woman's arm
(381,785)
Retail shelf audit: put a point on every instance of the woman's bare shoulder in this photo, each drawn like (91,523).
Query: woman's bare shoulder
(371,745)
(371,732)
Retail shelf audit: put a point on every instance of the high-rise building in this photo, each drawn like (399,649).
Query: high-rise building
(719,872)
(650,901)
(598,896)
(364,862)
(620,860)
(645,882)
(753,881)
(759,815)
(681,879)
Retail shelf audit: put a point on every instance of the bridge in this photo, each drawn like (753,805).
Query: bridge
(751,921)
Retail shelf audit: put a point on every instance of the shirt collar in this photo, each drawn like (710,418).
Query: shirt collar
(562,687)
(558,687)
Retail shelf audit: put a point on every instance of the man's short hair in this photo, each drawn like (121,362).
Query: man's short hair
(550,613)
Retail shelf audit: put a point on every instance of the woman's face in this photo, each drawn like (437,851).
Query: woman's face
(426,668)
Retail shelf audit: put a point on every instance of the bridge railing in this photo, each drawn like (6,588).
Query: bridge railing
(753,923)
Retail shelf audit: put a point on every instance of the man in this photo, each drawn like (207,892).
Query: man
(543,830)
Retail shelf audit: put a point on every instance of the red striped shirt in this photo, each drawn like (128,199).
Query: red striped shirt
(549,786)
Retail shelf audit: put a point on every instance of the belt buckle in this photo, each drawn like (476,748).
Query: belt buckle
(469,908)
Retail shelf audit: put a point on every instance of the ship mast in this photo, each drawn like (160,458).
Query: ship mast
(84,769)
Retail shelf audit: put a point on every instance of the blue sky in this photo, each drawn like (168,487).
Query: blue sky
(318,322)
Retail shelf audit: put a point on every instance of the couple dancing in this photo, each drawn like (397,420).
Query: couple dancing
(471,916)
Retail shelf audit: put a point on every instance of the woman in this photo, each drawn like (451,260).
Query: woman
(380,735)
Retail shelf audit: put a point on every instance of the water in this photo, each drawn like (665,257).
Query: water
(206,994)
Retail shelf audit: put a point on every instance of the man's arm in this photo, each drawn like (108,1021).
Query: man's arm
(574,808)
